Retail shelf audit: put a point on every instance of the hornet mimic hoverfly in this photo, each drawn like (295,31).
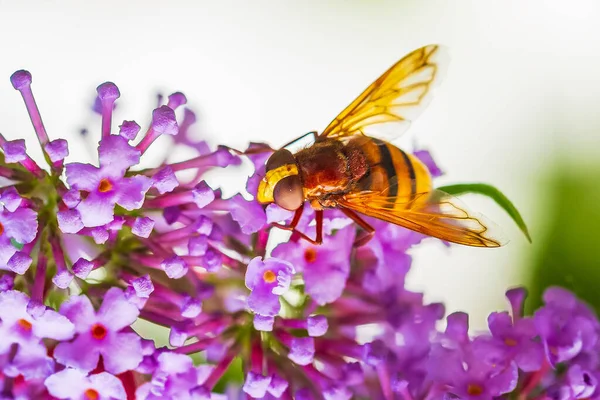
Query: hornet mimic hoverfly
(353,167)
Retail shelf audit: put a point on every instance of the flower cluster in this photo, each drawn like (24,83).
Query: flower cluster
(87,250)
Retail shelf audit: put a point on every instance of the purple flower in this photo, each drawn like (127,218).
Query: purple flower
(517,338)
(267,280)
(101,334)
(565,325)
(469,370)
(331,321)
(176,378)
(30,361)
(325,268)
(18,326)
(74,384)
(248,214)
(20,226)
(107,186)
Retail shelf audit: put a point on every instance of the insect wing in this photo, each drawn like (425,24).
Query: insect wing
(435,213)
(386,108)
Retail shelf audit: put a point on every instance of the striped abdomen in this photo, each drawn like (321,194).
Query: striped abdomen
(391,170)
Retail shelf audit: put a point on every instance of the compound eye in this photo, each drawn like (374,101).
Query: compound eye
(288,193)
(280,158)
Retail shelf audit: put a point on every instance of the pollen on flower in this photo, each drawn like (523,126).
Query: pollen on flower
(91,394)
(1,229)
(310,255)
(26,325)
(474,389)
(98,331)
(105,186)
(269,276)
(510,342)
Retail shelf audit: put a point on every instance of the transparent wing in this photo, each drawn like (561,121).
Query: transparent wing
(386,108)
(435,213)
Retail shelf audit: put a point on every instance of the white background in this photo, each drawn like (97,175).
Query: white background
(522,89)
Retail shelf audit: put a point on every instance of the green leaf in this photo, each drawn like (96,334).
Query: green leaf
(493,193)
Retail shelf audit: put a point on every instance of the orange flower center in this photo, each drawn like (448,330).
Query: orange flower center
(1,229)
(91,394)
(26,325)
(105,186)
(98,331)
(510,342)
(269,276)
(474,389)
(310,255)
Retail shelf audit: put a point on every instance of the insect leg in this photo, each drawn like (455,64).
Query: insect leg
(319,220)
(294,223)
(369,230)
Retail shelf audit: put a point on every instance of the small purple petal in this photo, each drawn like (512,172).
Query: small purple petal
(302,350)
(164,121)
(277,214)
(516,298)
(82,176)
(129,129)
(6,283)
(124,352)
(20,79)
(203,194)
(57,149)
(165,180)
(14,151)
(142,227)
(109,386)
(79,310)
(80,353)
(10,199)
(132,192)
(175,267)
(143,286)
(19,262)
(263,323)
(62,279)
(69,221)
(20,225)
(71,198)
(99,234)
(36,308)
(67,384)
(108,91)
(96,210)
(256,385)
(116,155)
(176,100)
(177,337)
(335,392)
(277,386)
(249,214)
(52,325)
(82,268)
(197,245)
(116,312)
(191,307)
(317,325)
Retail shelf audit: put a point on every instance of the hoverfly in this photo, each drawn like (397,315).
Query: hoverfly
(352,166)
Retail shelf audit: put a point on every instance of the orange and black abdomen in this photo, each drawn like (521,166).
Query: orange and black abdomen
(391,171)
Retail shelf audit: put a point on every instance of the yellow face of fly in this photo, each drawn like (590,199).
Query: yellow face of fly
(267,184)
